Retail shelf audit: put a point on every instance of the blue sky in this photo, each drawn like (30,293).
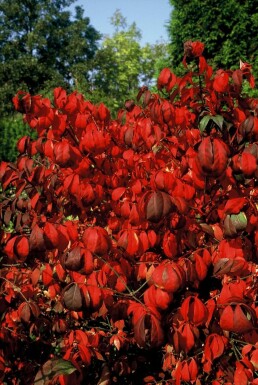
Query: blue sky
(150,16)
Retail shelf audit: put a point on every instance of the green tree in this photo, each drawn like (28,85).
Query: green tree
(41,46)
(227,27)
(118,62)
(121,64)
(155,57)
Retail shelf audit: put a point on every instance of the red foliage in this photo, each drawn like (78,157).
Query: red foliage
(129,246)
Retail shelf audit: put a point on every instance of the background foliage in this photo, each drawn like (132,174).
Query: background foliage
(11,128)
(121,64)
(42,45)
(227,28)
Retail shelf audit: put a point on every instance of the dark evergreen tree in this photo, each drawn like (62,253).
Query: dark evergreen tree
(229,29)
(42,45)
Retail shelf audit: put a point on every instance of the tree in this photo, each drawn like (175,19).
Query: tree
(227,27)
(118,62)
(155,57)
(41,45)
(121,64)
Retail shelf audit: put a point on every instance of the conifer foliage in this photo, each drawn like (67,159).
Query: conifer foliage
(130,245)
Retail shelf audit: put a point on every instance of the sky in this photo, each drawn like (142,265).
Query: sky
(150,16)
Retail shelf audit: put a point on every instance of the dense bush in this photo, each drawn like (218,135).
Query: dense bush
(130,245)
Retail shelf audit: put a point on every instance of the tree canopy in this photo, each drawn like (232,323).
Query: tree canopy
(42,45)
(122,64)
(227,27)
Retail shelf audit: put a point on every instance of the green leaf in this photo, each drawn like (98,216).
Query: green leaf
(218,120)
(239,220)
(204,122)
(53,368)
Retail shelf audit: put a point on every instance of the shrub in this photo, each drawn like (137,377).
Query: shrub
(132,255)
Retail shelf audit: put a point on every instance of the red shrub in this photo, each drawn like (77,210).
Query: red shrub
(129,246)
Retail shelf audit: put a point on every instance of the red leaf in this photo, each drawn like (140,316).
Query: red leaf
(36,239)
(221,81)
(142,318)
(118,193)
(103,112)
(139,314)
(88,262)
(85,354)
(92,295)
(238,318)
(35,275)
(158,298)
(248,164)
(155,205)
(60,97)
(169,245)
(72,297)
(61,273)
(236,266)
(72,103)
(73,258)
(166,79)
(22,144)
(24,312)
(64,236)
(245,163)
(234,205)
(241,376)
(47,275)
(254,359)
(193,48)
(157,334)
(129,241)
(231,290)
(169,277)
(21,247)
(8,249)
(189,370)
(200,267)
(194,310)
(237,77)
(96,240)
(65,154)
(94,140)
(213,348)
(154,208)
(185,336)
(212,156)
(51,236)
(8,177)
(27,310)
(59,126)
